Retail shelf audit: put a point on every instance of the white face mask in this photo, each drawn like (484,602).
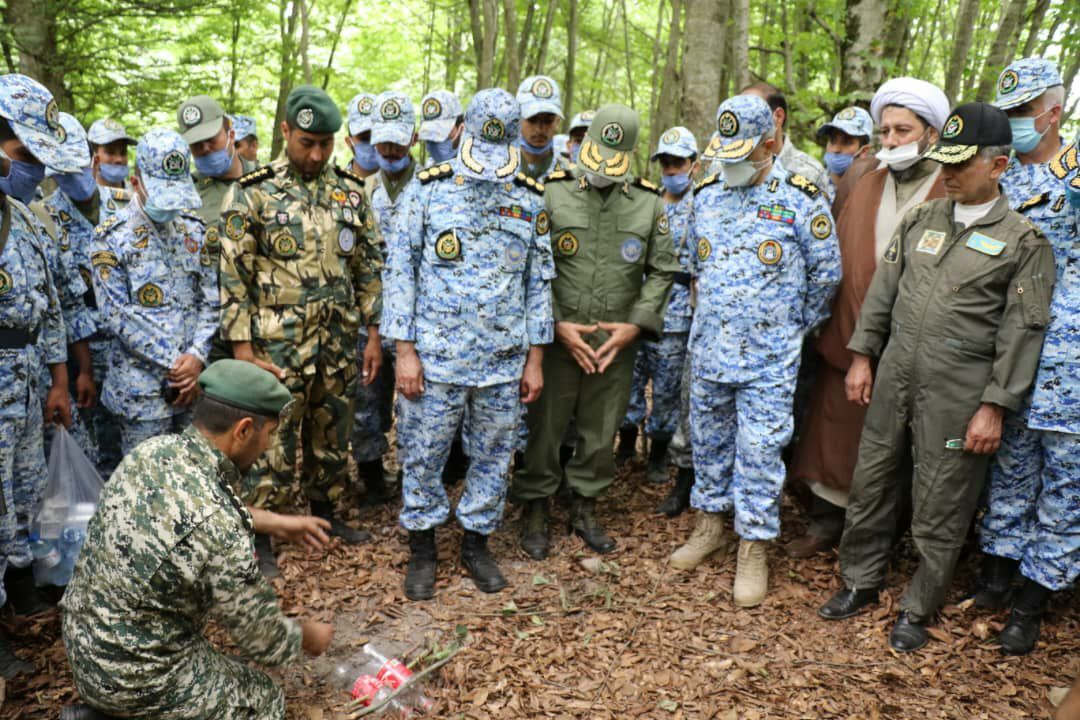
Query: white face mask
(598,181)
(902,157)
(742,173)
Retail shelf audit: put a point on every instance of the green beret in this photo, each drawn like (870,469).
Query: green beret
(246,386)
(311,109)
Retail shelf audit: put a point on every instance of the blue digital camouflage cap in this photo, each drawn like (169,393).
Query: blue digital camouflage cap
(853,121)
(582,120)
(489,145)
(30,109)
(393,120)
(677,142)
(539,94)
(741,121)
(439,112)
(1025,80)
(244,127)
(361,108)
(107,130)
(74,148)
(164,163)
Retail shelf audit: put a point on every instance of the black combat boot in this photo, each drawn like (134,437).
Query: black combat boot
(584,525)
(325,509)
(627,445)
(908,635)
(534,537)
(423,557)
(371,473)
(995,582)
(658,464)
(678,500)
(11,664)
(478,561)
(22,594)
(264,552)
(1022,631)
(457,464)
(83,712)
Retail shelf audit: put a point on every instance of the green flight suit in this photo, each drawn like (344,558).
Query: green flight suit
(956,317)
(615,263)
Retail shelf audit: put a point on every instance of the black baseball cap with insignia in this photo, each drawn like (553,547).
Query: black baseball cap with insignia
(969,127)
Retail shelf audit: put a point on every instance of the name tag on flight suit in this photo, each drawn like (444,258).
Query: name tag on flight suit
(986,245)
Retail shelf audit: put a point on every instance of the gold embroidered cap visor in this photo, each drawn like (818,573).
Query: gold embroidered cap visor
(952,154)
(482,159)
(730,151)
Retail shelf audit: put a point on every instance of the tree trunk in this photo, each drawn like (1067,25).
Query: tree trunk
(545,41)
(702,65)
(789,71)
(513,65)
(482,19)
(337,39)
(861,48)
(1038,14)
(571,55)
(526,37)
(287,28)
(234,61)
(305,37)
(741,42)
(982,40)
(669,102)
(998,57)
(32,24)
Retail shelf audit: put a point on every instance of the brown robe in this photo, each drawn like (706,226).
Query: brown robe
(829,442)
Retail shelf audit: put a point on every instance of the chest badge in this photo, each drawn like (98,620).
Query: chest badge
(347,214)
(150,295)
(704,249)
(777,213)
(234,225)
(354,198)
(191,244)
(338,196)
(447,246)
(282,217)
(515,211)
(631,250)
(821,226)
(985,244)
(285,245)
(567,244)
(515,254)
(663,226)
(543,223)
(931,242)
(346,240)
(770,252)
(5,282)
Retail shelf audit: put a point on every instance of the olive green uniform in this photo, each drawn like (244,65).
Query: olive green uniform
(956,317)
(615,263)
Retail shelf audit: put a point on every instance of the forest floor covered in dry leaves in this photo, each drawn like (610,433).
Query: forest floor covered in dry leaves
(625,636)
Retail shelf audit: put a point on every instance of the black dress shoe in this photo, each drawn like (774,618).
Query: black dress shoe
(583,524)
(847,603)
(908,636)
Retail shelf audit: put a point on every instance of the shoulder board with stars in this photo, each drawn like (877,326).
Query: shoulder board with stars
(256,176)
(1035,201)
(193,217)
(108,226)
(645,185)
(120,193)
(711,180)
(557,176)
(348,175)
(798,181)
(527,182)
(436,172)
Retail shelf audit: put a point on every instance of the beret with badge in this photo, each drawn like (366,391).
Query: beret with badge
(245,386)
(310,109)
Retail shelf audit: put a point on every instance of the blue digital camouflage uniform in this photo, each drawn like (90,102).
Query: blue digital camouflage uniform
(392,120)
(1034,487)
(156,290)
(663,361)
(169,548)
(32,332)
(767,264)
(468,281)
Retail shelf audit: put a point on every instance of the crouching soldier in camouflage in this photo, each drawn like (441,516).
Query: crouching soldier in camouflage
(468,300)
(170,547)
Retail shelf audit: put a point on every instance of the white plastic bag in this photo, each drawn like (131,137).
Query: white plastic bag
(59,525)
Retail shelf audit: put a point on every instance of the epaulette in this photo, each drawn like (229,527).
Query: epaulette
(557,175)
(120,193)
(256,176)
(1035,201)
(193,216)
(646,185)
(798,181)
(711,180)
(348,175)
(527,182)
(106,227)
(435,172)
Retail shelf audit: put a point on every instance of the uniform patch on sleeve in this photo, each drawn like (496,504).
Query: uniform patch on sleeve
(543,223)
(821,226)
(704,249)
(663,226)
(5,282)
(892,252)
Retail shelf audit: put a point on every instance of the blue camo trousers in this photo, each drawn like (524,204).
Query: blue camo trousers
(24,473)
(738,432)
(372,413)
(1034,504)
(133,432)
(662,362)
(426,427)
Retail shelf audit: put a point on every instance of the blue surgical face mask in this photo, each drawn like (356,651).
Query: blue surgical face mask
(1074,197)
(214,164)
(113,173)
(366,156)
(22,180)
(79,186)
(440,152)
(574,151)
(1025,137)
(838,163)
(675,184)
(533,150)
(159,216)
(393,166)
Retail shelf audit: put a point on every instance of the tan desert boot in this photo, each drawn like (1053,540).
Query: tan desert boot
(707,538)
(752,573)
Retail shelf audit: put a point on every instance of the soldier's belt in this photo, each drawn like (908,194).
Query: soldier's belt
(17,338)
(301,295)
(681,278)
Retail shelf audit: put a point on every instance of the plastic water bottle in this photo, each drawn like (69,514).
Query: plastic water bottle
(47,560)
(372,677)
